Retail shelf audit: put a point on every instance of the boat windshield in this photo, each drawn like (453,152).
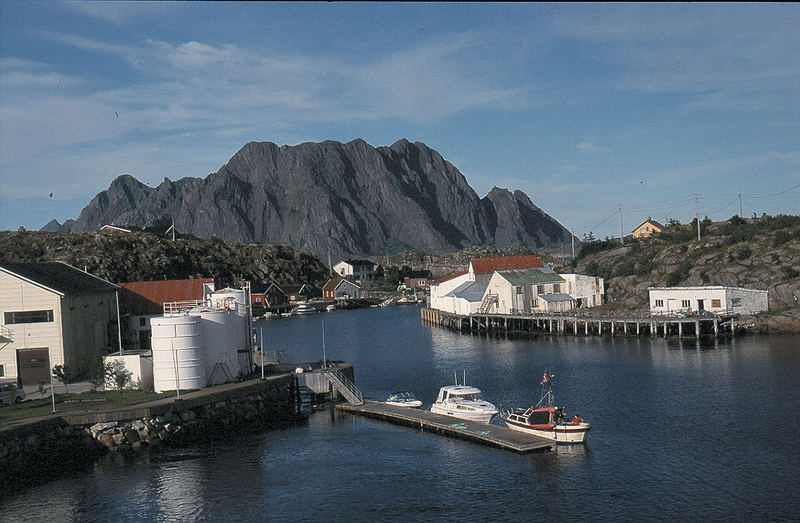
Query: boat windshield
(474,396)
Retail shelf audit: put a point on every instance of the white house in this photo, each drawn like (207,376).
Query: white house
(527,291)
(440,288)
(53,314)
(463,300)
(359,270)
(339,288)
(714,299)
(588,291)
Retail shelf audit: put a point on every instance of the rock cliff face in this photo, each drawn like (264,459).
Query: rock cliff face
(349,198)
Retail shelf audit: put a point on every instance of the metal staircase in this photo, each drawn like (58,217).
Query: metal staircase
(488,301)
(344,386)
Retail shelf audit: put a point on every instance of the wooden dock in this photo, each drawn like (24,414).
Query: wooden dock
(574,325)
(483,433)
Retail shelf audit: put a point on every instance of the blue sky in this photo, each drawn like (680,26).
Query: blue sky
(582,106)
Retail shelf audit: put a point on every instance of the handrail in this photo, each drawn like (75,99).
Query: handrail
(6,333)
(347,387)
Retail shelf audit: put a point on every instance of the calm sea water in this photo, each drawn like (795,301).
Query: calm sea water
(680,430)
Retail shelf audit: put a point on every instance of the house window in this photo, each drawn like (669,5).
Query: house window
(519,290)
(556,288)
(736,302)
(659,303)
(142,322)
(540,289)
(2,371)
(715,303)
(685,303)
(29,317)
(534,303)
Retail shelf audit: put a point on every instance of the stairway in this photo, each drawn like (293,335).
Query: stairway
(344,386)
(486,304)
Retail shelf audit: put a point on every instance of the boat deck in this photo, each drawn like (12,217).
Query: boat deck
(477,432)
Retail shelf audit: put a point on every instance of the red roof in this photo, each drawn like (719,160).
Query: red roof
(489,265)
(450,277)
(148,297)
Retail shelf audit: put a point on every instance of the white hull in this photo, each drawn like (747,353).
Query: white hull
(406,404)
(303,310)
(484,416)
(559,434)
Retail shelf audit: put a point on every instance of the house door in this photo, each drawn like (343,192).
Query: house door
(701,308)
(33,366)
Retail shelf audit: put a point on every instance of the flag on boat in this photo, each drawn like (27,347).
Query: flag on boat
(545,378)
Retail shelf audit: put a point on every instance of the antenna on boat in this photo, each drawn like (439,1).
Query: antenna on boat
(464,381)
(455,377)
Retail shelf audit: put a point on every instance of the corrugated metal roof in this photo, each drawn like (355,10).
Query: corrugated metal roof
(60,277)
(469,290)
(489,265)
(556,297)
(148,297)
(534,276)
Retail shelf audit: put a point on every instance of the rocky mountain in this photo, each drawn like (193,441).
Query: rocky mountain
(346,198)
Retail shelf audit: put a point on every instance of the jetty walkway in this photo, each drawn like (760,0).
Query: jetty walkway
(579,325)
(477,432)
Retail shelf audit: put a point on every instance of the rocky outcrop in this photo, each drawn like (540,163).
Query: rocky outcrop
(346,198)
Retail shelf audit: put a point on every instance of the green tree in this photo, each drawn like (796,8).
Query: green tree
(63,374)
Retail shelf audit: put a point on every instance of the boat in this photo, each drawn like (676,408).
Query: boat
(403,399)
(388,302)
(547,420)
(303,309)
(407,300)
(270,315)
(330,307)
(463,402)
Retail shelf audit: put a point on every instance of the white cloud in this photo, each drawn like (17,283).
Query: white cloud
(589,146)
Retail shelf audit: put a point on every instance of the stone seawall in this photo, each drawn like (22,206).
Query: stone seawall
(56,446)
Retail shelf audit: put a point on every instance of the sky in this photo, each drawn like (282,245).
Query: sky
(603,114)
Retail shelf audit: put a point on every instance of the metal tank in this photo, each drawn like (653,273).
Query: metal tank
(220,329)
(178,359)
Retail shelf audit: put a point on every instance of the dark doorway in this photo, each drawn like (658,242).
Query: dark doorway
(33,365)
(701,306)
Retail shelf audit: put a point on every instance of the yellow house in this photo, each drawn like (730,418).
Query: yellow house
(647,228)
(51,314)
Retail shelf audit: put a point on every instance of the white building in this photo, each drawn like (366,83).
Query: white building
(527,291)
(359,270)
(714,299)
(463,300)
(588,291)
(53,314)
(442,287)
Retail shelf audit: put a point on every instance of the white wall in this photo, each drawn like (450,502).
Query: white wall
(589,289)
(735,300)
(439,291)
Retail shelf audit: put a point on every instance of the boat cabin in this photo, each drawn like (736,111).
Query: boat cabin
(459,393)
(539,416)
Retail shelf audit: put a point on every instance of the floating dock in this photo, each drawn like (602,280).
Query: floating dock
(483,433)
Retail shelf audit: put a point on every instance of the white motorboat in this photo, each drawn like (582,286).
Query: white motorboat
(546,420)
(463,402)
(403,399)
(303,309)
(330,308)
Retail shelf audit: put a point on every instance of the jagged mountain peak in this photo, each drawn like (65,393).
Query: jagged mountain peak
(351,197)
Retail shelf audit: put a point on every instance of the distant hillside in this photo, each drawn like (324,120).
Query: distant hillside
(761,253)
(346,198)
(124,257)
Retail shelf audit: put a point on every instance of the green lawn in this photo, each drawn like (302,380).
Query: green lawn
(73,402)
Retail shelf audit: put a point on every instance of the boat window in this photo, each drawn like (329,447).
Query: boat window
(539,418)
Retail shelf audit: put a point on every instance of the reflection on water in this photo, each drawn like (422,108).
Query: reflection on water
(680,429)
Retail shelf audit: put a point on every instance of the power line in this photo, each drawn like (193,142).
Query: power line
(771,195)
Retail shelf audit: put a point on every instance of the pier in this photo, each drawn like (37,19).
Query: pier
(483,433)
(580,325)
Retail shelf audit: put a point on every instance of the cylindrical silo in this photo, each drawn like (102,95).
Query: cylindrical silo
(219,333)
(178,361)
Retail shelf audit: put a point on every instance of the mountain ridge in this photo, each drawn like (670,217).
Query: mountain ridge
(347,198)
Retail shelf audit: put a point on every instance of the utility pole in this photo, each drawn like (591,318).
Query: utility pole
(740,205)
(621,236)
(697,215)
(573,243)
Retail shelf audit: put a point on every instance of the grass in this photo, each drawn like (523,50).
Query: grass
(76,402)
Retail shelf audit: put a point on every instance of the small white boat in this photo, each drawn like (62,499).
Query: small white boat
(330,307)
(463,402)
(403,399)
(388,302)
(546,420)
(303,309)
(270,315)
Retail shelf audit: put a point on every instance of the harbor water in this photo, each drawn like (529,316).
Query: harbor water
(680,430)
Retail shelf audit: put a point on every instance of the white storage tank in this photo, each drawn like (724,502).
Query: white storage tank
(220,330)
(178,360)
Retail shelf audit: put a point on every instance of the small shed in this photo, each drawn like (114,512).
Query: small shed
(712,299)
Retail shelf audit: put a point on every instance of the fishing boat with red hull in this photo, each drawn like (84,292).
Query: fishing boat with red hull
(547,420)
